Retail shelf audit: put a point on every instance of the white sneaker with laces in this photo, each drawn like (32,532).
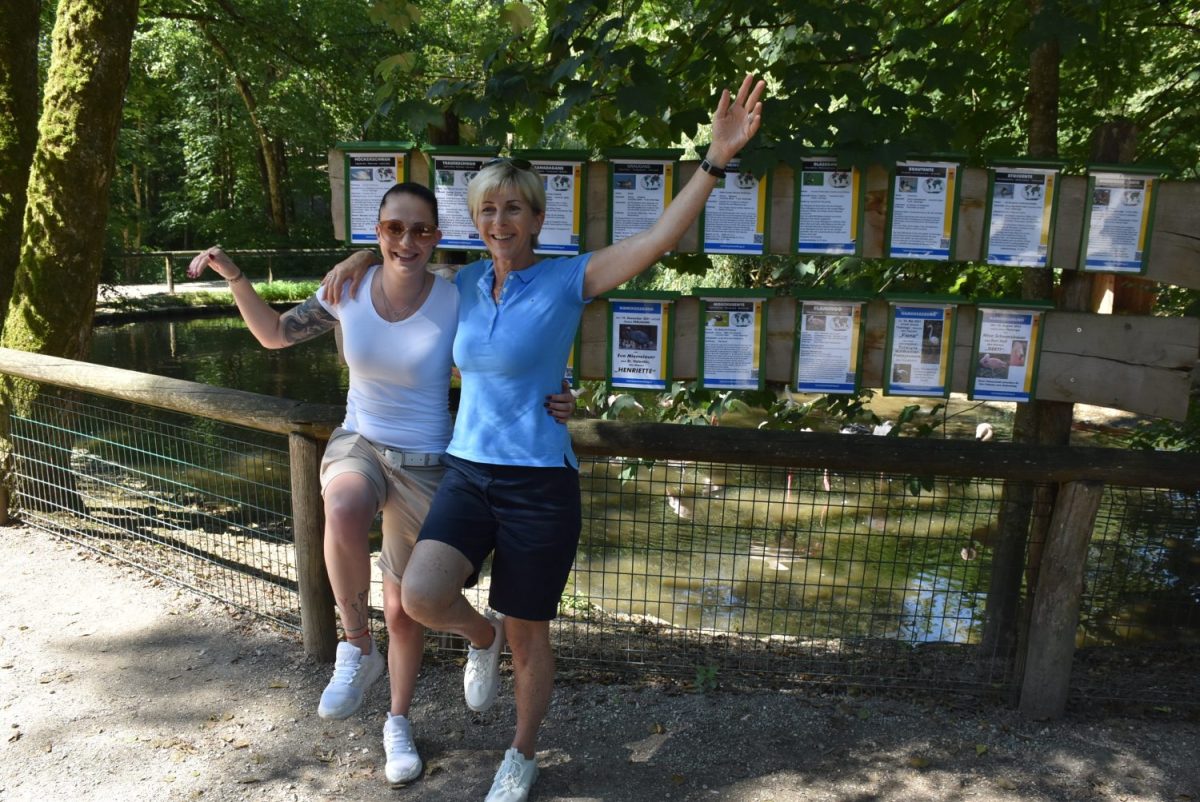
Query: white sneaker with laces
(353,673)
(514,778)
(403,762)
(481,680)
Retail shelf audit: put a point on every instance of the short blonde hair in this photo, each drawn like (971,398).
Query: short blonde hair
(504,174)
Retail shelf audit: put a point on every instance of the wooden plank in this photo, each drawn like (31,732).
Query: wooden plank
(1175,237)
(875,219)
(265,412)
(1163,342)
(337,190)
(1140,389)
(972,206)
(318,626)
(596,224)
(1055,617)
(899,455)
(783,199)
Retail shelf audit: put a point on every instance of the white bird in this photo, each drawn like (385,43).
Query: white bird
(984,432)
(678,507)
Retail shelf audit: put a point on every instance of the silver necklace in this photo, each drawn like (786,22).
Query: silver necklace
(393,315)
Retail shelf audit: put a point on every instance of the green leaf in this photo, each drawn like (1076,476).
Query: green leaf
(402,62)
(517,16)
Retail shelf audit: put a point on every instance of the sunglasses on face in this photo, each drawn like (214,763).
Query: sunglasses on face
(520,164)
(396,229)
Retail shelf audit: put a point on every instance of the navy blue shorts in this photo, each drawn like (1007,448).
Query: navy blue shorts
(529,517)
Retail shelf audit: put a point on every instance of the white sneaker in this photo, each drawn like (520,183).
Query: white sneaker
(403,762)
(353,673)
(514,778)
(481,680)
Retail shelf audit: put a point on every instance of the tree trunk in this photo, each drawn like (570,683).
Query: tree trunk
(1016,504)
(269,149)
(67,205)
(18,127)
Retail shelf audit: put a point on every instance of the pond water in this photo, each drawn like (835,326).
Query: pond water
(766,551)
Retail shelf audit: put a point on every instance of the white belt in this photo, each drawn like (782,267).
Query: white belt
(412,459)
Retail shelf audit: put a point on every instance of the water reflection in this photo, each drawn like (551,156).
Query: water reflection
(223,353)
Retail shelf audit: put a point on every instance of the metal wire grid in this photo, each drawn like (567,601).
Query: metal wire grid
(1140,611)
(199,503)
(800,573)
(862,578)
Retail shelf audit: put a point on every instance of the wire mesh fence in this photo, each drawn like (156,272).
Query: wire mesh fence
(690,569)
(200,503)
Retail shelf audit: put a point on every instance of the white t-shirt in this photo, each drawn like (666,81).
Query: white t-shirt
(399,372)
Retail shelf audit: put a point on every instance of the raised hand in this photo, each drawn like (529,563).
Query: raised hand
(736,121)
(218,260)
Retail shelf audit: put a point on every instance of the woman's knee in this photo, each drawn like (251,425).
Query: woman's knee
(397,618)
(348,516)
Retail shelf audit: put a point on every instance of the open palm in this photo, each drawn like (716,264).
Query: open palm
(737,120)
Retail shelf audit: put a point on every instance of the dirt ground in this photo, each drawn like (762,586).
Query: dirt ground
(116,686)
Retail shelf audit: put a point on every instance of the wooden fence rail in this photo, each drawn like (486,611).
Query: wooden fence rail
(1080,473)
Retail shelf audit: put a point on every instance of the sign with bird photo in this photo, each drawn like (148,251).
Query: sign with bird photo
(640,340)
(829,345)
(1007,344)
(920,343)
(733,338)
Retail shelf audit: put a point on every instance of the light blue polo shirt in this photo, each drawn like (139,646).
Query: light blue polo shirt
(512,355)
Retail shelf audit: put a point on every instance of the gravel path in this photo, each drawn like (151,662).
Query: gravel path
(114,686)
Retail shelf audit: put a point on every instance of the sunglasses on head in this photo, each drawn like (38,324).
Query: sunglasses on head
(396,229)
(520,164)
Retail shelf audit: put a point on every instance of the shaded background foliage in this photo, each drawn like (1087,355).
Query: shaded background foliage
(874,79)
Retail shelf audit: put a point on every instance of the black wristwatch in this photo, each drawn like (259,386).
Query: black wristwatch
(712,169)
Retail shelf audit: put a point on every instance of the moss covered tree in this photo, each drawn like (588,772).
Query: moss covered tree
(66,208)
(67,204)
(18,126)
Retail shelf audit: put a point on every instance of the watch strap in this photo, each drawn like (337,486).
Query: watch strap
(712,169)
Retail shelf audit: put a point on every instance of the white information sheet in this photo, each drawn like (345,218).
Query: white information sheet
(732,337)
(922,211)
(641,191)
(828,207)
(639,344)
(451,174)
(920,358)
(1022,202)
(560,233)
(828,350)
(1004,368)
(368,177)
(735,214)
(1120,222)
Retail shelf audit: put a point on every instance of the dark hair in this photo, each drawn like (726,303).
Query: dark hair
(409,188)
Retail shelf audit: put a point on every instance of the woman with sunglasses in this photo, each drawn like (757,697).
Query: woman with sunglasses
(397,342)
(512,484)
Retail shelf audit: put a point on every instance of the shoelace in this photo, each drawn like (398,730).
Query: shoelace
(397,741)
(510,775)
(344,671)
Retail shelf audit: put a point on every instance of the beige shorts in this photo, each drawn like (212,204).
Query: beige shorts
(403,483)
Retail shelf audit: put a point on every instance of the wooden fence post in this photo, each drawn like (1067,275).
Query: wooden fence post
(1055,617)
(317,625)
(170,275)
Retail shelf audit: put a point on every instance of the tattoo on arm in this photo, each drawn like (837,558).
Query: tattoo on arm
(306,321)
